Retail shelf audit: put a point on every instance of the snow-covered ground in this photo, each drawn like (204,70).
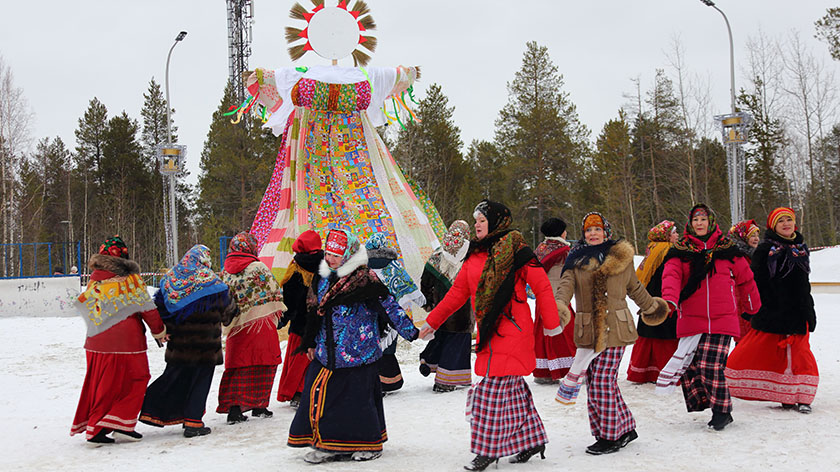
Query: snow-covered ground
(44,366)
(825,265)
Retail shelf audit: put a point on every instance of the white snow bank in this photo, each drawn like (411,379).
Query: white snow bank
(44,366)
(825,265)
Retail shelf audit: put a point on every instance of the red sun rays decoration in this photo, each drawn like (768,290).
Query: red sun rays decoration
(359,13)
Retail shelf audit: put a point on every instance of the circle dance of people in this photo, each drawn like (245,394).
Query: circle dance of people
(346,302)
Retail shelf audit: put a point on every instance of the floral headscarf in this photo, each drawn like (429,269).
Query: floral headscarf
(115,247)
(661,233)
(191,279)
(244,242)
(394,275)
(448,258)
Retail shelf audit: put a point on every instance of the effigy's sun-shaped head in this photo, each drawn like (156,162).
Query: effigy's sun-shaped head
(332,32)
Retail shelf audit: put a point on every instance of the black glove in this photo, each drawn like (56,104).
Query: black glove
(747,316)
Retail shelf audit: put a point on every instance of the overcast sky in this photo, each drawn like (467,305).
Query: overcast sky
(63,53)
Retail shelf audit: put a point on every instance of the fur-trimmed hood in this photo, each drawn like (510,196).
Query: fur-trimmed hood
(358,259)
(116,265)
(616,262)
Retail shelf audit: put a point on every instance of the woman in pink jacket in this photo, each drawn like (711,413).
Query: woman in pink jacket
(708,282)
(499,263)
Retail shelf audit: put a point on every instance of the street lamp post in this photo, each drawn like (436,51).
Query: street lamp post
(172,250)
(735,129)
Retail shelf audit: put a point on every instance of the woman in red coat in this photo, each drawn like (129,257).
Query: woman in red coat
(113,306)
(503,419)
(705,277)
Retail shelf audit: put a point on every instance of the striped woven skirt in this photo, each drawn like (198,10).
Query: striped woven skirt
(340,410)
(448,356)
(246,387)
(773,367)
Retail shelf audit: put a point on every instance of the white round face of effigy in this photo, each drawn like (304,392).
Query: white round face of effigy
(333,33)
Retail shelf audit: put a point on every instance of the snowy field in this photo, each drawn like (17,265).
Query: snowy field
(44,366)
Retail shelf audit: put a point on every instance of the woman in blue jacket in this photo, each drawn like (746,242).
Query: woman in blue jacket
(340,413)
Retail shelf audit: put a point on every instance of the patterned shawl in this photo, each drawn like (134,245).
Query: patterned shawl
(105,303)
(393,274)
(190,280)
(448,258)
(258,296)
(507,253)
(786,254)
(701,260)
(660,242)
(550,251)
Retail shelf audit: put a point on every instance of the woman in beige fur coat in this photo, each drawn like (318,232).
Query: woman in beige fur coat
(600,273)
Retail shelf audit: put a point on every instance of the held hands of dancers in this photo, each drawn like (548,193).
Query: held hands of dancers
(427,333)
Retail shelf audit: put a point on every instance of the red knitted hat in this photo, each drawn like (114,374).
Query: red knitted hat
(308,241)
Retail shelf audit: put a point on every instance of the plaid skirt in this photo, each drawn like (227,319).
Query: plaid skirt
(503,418)
(609,416)
(448,356)
(246,387)
(704,383)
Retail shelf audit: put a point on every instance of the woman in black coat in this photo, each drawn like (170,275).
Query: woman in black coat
(774,362)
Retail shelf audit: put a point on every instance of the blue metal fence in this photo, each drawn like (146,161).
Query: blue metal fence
(23,260)
(224,241)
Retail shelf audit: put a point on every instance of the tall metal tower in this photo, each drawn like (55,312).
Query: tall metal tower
(240,15)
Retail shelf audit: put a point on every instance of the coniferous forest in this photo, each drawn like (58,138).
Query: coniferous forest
(660,154)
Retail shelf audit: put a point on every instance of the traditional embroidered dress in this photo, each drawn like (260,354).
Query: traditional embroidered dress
(554,353)
(448,354)
(656,344)
(112,306)
(193,302)
(341,406)
(383,259)
(774,362)
(333,169)
(252,349)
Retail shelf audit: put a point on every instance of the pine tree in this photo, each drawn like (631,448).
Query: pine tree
(236,165)
(828,30)
(90,141)
(540,134)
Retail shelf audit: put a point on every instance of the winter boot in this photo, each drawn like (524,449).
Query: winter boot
(359,456)
(319,457)
(603,446)
(803,408)
(132,436)
(441,388)
(295,401)
(545,381)
(481,463)
(192,431)
(235,415)
(262,413)
(720,420)
(100,438)
(627,437)
(425,370)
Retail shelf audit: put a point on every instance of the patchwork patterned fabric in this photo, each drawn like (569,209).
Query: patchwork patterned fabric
(503,418)
(334,171)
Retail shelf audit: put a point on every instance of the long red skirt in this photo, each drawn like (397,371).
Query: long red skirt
(648,358)
(555,354)
(773,367)
(294,371)
(112,394)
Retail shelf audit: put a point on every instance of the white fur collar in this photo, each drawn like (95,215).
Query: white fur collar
(558,238)
(359,259)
